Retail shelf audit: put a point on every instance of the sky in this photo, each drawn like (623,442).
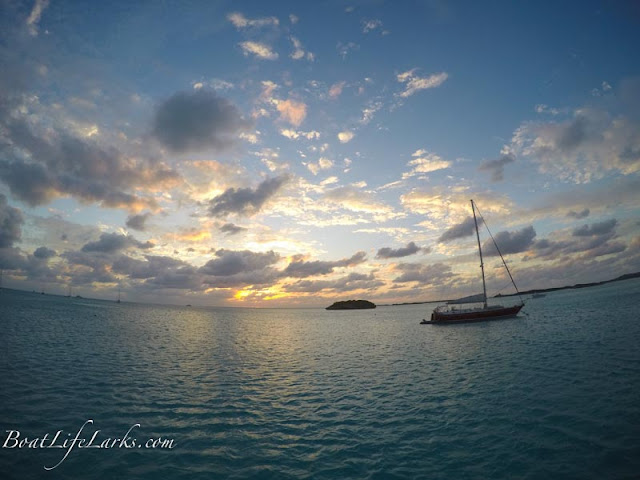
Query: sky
(282,153)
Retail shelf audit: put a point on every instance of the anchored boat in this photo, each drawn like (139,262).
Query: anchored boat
(451,313)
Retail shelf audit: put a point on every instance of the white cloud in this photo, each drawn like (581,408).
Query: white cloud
(34,17)
(425,162)
(369,111)
(345,48)
(295,134)
(336,90)
(298,52)
(346,136)
(240,21)
(292,111)
(585,148)
(260,50)
(370,25)
(415,83)
(322,164)
(293,19)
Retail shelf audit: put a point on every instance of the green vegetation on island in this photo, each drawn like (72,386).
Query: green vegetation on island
(351,305)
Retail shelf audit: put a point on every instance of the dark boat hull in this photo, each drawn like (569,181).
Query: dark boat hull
(475,316)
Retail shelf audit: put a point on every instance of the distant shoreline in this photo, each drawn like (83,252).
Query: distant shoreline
(628,276)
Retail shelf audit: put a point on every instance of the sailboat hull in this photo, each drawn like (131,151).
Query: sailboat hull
(474,315)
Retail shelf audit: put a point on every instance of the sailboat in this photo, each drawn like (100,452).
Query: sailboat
(453,314)
(118,301)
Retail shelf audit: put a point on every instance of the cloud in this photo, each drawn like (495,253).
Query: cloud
(114,242)
(356,199)
(351,282)
(602,228)
(590,145)
(425,162)
(345,48)
(322,164)
(388,252)
(370,25)
(197,120)
(299,268)
(11,221)
(231,229)
(44,253)
(436,274)
(452,206)
(240,21)
(463,229)
(260,50)
(336,90)
(41,163)
(589,240)
(34,17)
(233,262)
(241,268)
(496,167)
(245,201)
(369,111)
(578,215)
(415,83)
(295,134)
(292,111)
(346,136)
(298,52)
(510,242)
(138,222)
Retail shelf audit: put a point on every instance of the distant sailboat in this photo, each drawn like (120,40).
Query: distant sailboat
(452,314)
(118,301)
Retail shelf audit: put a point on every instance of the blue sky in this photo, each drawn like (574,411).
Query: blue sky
(294,153)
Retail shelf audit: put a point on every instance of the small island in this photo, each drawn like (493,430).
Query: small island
(351,305)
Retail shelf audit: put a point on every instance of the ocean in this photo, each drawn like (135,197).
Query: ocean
(221,393)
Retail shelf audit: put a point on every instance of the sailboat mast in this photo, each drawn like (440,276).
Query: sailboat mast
(484,284)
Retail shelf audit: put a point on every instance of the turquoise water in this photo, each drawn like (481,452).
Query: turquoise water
(315,394)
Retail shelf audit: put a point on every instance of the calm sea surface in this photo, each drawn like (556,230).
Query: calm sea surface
(554,393)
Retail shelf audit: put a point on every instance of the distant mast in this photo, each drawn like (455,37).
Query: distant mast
(118,301)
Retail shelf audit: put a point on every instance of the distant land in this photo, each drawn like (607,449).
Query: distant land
(351,305)
(627,276)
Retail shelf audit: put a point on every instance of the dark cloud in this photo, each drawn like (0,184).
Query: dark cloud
(461,230)
(388,252)
(300,268)
(152,266)
(38,168)
(197,120)
(183,278)
(590,245)
(44,253)
(435,274)
(574,133)
(233,262)
(578,215)
(510,242)
(595,229)
(353,281)
(114,242)
(231,229)
(496,167)
(11,221)
(138,222)
(245,201)
(12,259)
